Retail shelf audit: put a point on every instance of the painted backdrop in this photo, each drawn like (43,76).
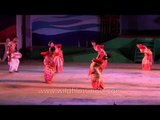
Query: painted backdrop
(70,30)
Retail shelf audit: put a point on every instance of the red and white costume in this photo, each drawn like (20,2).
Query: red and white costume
(147,60)
(58,58)
(49,66)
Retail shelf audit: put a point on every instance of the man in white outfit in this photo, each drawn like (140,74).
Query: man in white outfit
(14,63)
(13,56)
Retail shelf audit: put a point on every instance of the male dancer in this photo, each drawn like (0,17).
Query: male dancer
(13,55)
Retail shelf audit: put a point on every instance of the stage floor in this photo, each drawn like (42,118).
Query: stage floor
(125,84)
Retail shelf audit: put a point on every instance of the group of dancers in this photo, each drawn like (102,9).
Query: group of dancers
(54,61)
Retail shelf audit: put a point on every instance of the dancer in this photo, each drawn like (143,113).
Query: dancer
(147,60)
(13,55)
(101,54)
(95,73)
(58,58)
(49,65)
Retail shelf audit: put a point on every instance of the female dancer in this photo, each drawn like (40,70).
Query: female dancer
(49,65)
(58,57)
(101,54)
(95,73)
(148,57)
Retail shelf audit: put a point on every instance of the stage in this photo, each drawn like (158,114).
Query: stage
(125,84)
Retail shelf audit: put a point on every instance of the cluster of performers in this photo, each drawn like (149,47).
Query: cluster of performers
(54,61)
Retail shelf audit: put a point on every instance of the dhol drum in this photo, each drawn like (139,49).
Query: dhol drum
(17,55)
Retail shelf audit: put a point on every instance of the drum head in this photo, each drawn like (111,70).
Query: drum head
(18,55)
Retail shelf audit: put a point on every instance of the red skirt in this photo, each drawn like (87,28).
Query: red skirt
(48,75)
(146,67)
(98,85)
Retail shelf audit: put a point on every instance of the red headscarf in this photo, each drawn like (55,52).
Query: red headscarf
(98,47)
(140,46)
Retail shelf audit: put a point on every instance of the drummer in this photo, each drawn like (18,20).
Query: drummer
(13,55)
